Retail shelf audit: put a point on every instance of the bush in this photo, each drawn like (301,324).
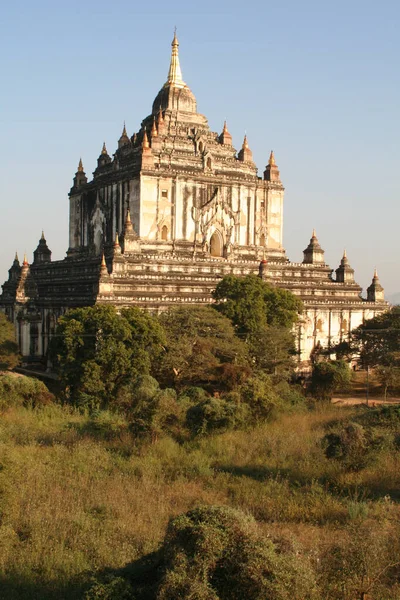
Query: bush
(215,414)
(18,390)
(330,377)
(349,445)
(218,553)
(9,355)
(259,394)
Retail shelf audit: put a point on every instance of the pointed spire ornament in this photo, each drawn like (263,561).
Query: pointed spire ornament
(80,166)
(103,266)
(175,73)
(245,154)
(16,259)
(116,242)
(160,119)
(375,292)
(271,161)
(225,137)
(25,263)
(128,223)
(344,273)
(314,254)
(104,149)
(154,132)
(42,236)
(145,143)
(124,134)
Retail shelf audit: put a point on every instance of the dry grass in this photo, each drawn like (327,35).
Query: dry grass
(74,501)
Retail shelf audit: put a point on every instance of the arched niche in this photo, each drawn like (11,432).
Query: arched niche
(164,232)
(216,244)
(262,239)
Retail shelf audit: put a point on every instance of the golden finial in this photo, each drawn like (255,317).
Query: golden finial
(80,166)
(116,243)
(344,253)
(103,262)
(104,149)
(124,134)
(154,132)
(128,222)
(175,73)
(42,236)
(225,129)
(245,145)
(375,273)
(314,235)
(145,143)
(25,263)
(16,259)
(271,161)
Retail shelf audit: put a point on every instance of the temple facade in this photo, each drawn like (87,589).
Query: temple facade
(170,213)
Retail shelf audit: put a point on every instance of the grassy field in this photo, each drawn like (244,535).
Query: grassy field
(78,495)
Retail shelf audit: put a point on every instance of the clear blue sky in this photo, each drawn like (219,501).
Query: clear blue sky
(318,82)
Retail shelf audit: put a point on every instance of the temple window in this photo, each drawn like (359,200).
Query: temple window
(164,232)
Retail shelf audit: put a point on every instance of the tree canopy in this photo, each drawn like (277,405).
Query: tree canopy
(378,339)
(251,303)
(201,349)
(98,351)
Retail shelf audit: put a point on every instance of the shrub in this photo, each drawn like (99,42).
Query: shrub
(218,553)
(9,355)
(215,414)
(259,395)
(329,377)
(18,390)
(348,444)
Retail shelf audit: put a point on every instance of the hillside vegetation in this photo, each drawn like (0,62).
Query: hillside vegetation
(180,460)
(81,498)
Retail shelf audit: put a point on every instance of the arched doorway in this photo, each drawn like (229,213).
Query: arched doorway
(164,232)
(216,246)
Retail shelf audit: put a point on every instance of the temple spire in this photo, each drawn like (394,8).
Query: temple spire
(145,143)
(271,161)
(154,132)
(104,149)
(80,166)
(175,73)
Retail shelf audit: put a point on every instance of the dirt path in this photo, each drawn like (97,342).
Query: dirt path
(372,401)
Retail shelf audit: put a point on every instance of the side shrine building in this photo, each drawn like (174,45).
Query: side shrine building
(175,209)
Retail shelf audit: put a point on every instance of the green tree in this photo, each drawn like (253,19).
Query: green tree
(98,351)
(329,377)
(378,340)
(389,377)
(9,356)
(273,351)
(201,350)
(252,304)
